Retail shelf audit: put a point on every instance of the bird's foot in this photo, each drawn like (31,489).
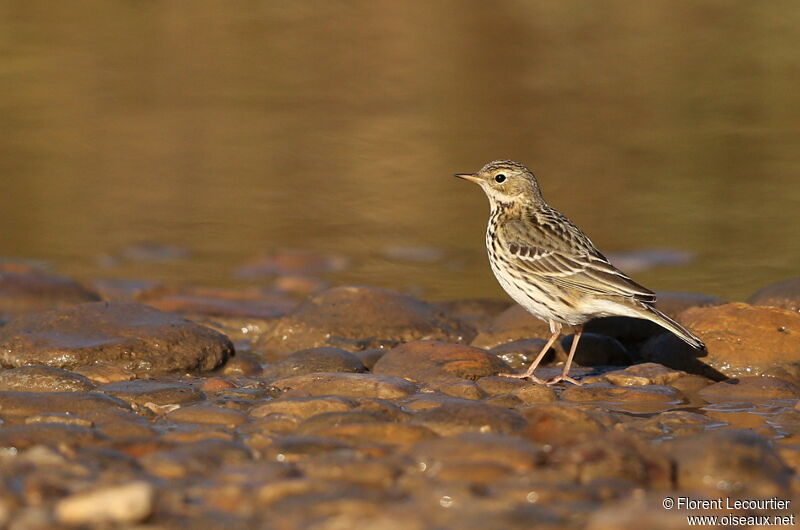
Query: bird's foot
(563,377)
(525,376)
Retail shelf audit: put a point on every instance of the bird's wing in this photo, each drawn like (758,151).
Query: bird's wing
(553,249)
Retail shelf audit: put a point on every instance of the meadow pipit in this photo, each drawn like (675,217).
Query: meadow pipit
(549,267)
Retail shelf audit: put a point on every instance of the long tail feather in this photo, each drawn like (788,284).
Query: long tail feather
(664,321)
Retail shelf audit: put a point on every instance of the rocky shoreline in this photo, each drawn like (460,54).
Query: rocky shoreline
(137,405)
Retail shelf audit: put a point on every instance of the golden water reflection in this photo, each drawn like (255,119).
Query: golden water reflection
(234,128)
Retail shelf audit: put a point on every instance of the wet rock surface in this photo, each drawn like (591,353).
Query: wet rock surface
(131,336)
(359,318)
(740,340)
(375,412)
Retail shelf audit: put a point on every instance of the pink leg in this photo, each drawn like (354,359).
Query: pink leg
(555,327)
(564,374)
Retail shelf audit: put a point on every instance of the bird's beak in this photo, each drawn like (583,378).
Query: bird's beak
(468,176)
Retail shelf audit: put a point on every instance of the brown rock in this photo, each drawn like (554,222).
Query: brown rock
(494,384)
(30,403)
(510,451)
(216,384)
(313,360)
(643,374)
(341,384)
(614,456)
(292,262)
(456,387)
(535,393)
(741,340)
(561,424)
(28,291)
(43,379)
(243,364)
(512,324)
(732,462)
(195,459)
(749,389)
(519,354)
(426,359)
(125,503)
(377,432)
(358,318)
(141,392)
(600,392)
(132,336)
(207,415)
(304,407)
(295,448)
(469,416)
(784,294)
(105,372)
(52,434)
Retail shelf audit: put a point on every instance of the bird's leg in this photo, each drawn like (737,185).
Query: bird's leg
(564,374)
(555,328)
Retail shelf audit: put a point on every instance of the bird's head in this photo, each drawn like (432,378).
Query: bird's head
(506,181)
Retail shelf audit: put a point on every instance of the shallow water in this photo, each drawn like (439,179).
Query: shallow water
(232,129)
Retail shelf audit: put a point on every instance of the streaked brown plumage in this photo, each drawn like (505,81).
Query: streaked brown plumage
(547,265)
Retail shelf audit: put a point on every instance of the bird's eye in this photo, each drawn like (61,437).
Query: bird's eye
(499,178)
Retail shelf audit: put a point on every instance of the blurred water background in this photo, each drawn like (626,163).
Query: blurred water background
(231,129)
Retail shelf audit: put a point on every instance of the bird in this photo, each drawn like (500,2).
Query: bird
(551,268)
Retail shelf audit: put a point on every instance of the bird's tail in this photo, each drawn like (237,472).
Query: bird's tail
(664,321)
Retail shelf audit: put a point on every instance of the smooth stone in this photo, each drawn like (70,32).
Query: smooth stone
(216,384)
(749,389)
(243,364)
(132,336)
(313,360)
(377,433)
(514,323)
(560,423)
(469,416)
(43,379)
(335,419)
(207,415)
(784,295)
(512,452)
(349,385)
(425,360)
(456,387)
(58,417)
(614,456)
(105,372)
(643,374)
(535,393)
(295,448)
(143,391)
(519,354)
(53,434)
(125,503)
(303,407)
(731,462)
(369,357)
(494,384)
(740,339)
(30,403)
(29,291)
(202,458)
(600,392)
(358,318)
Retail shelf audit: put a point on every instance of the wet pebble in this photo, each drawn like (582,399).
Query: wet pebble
(141,392)
(303,407)
(314,360)
(343,384)
(740,339)
(207,415)
(43,379)
(132,336)
(469,416)
(30,290)
(357,318)
(425,360)
(512,324)
(784,294)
